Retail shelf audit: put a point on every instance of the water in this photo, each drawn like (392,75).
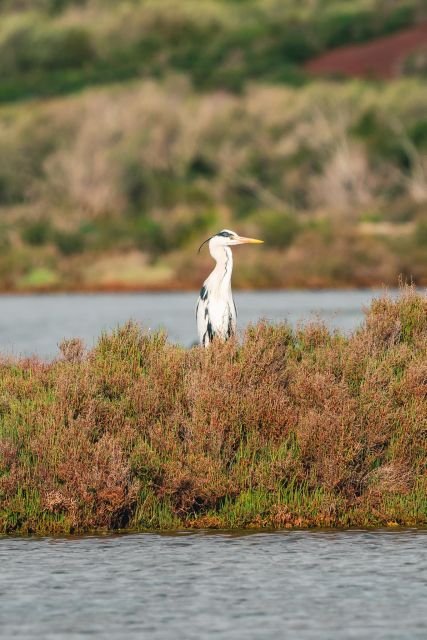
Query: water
(305,585)
(36,324)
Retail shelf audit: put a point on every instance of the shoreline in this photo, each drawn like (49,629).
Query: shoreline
(114,289)
(237,532)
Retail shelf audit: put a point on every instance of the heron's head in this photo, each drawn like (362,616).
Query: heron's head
(227,238)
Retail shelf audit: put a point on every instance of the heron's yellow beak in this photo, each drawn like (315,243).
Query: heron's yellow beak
(242,240)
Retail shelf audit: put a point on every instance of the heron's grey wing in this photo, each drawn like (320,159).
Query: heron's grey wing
(204,325)
(231,324)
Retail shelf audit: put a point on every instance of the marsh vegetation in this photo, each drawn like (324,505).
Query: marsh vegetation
(287,428)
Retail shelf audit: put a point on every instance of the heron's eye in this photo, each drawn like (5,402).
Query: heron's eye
(224,234)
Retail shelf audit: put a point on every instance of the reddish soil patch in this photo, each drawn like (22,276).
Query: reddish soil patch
(380,58)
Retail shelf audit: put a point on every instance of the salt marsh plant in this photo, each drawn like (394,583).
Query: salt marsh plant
(285,428)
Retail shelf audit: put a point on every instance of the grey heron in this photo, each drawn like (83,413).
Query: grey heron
(215,311)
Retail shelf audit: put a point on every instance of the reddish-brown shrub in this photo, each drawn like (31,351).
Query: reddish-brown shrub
(285,428)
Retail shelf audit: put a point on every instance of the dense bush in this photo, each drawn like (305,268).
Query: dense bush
(278,229)
(149,235)
(49,6)
(29,46)
(37,233)
(69,242)
(288,428)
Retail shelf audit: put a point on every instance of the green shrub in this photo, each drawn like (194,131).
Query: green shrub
(31,45)
(48,6)
(11,191)
(149,235)
(61,49)
(382,139)
(145,188)
(278,229)
(134,184)
(398,17)
(182,234)
(421,234)
(37,233)
(345,24)
(417,133)
(69,242)
(39,277)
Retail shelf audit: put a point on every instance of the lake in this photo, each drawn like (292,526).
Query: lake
(35,324)
(296,584)
(310,585)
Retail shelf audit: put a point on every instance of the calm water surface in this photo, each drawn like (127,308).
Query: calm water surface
(305,585)
(35,324)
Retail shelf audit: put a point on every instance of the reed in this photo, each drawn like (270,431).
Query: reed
(285,428)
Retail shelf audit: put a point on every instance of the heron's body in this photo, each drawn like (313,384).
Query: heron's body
(216,312)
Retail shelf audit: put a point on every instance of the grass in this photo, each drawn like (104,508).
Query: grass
(286,428)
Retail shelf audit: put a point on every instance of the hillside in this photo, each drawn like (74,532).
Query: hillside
(49,47)
(380,58)
(129,132)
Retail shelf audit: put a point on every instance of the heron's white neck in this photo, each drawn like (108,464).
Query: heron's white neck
(220,278)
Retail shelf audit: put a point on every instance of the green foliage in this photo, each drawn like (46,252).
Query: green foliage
(382,139)
(135,185)
(278,229)
(39,278)
(12,175)
(37,233)
(346,23)
(70,48)
(9,192)
(417,133)
(69,242)
(400,15)
(184,233)
(49,6)
(29,46)
(149,235)
(421,234)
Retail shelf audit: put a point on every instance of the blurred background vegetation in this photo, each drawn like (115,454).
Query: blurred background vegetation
(130,131)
